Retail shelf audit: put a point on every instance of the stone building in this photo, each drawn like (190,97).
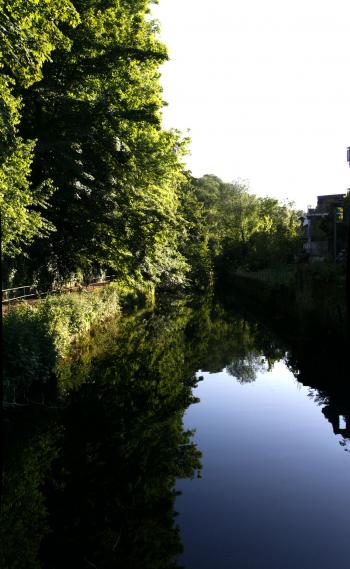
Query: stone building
(324,228)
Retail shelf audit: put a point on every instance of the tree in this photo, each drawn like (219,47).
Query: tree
(28,35)
(246,231)
(97,117)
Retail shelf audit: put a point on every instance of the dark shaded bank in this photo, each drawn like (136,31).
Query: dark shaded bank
(308,305)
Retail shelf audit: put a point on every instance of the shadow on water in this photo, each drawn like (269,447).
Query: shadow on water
(90,479)
(93,483)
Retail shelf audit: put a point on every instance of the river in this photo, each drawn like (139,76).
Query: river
(192,436)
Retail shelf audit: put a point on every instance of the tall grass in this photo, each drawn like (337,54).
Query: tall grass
(37,337)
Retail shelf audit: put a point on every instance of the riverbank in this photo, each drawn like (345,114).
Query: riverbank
(311,302)
(38,337)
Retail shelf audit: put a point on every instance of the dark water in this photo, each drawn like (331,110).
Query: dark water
(142,461)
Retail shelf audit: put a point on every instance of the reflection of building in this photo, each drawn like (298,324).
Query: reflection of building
(339,421)
(324,227)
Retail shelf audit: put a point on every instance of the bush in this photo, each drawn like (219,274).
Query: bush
(37,337)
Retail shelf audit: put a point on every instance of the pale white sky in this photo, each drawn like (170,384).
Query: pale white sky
(264,87)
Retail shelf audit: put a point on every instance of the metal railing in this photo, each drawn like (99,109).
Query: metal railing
(30,291)
(18,293)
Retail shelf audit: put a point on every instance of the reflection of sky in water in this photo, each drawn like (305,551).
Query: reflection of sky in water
(275,486)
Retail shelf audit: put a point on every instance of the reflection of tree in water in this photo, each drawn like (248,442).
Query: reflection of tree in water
(323,367)
(105,497)
(92,483)
(239,346)
(24,515)
(340,423)
(248,347)
(335,403)
(245,369)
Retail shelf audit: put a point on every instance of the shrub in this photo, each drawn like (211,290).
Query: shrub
(38,336)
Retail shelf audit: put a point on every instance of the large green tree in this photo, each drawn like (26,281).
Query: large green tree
(97,117)
(29,32)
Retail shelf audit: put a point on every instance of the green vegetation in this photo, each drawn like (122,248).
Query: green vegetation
(89,180)
(99,177)
(245,231)
(29,32)
(91,184)
(38,337)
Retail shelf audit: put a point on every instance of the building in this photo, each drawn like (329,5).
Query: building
(323,229)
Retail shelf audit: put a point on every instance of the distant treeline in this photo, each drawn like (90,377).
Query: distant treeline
(90,182)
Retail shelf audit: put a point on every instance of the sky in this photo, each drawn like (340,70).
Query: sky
(264,89)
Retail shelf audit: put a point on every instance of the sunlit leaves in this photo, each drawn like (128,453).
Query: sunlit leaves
(21,222)
(245,230)
(97,117)
(29,32)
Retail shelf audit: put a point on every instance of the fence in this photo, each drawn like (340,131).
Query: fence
(24,292)
(18,293)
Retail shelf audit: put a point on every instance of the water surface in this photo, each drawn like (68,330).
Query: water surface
(275,486)
(190,436)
